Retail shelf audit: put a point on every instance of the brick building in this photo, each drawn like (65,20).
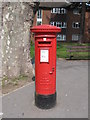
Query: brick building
(67,19)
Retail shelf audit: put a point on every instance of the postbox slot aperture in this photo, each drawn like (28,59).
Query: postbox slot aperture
(45,42)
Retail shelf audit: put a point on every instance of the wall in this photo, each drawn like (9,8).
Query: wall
(87,27)
(70,19)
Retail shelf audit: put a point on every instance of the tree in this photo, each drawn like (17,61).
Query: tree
(82,22)
(17,19)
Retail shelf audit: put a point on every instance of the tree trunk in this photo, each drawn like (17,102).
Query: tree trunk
(0,61)
(82,22)
(17,19)
(0,43)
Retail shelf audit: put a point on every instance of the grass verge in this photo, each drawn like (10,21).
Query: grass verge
(62,51)
(13,81)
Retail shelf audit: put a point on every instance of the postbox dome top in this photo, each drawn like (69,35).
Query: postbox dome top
(45,28)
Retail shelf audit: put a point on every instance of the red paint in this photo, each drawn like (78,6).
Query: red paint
(45,72)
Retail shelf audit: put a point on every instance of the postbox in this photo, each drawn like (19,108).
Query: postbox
(45,65)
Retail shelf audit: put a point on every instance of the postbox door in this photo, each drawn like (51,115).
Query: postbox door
(46,76)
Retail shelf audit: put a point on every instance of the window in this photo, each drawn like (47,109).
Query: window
(75,25)
(39,13)
(75,37)
(52,23)
(64,25)
(61,37)
(58,10)
(39,17)
(53,10)
(59,24)
(63,11)
(76,11)
(39,23)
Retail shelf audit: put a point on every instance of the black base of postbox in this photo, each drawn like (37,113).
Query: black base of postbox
(45,101)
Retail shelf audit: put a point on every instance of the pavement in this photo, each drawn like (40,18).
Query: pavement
(72,95)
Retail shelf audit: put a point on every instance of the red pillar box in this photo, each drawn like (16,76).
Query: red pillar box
(45,65)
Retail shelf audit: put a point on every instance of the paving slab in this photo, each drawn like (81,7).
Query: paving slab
(72,95)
